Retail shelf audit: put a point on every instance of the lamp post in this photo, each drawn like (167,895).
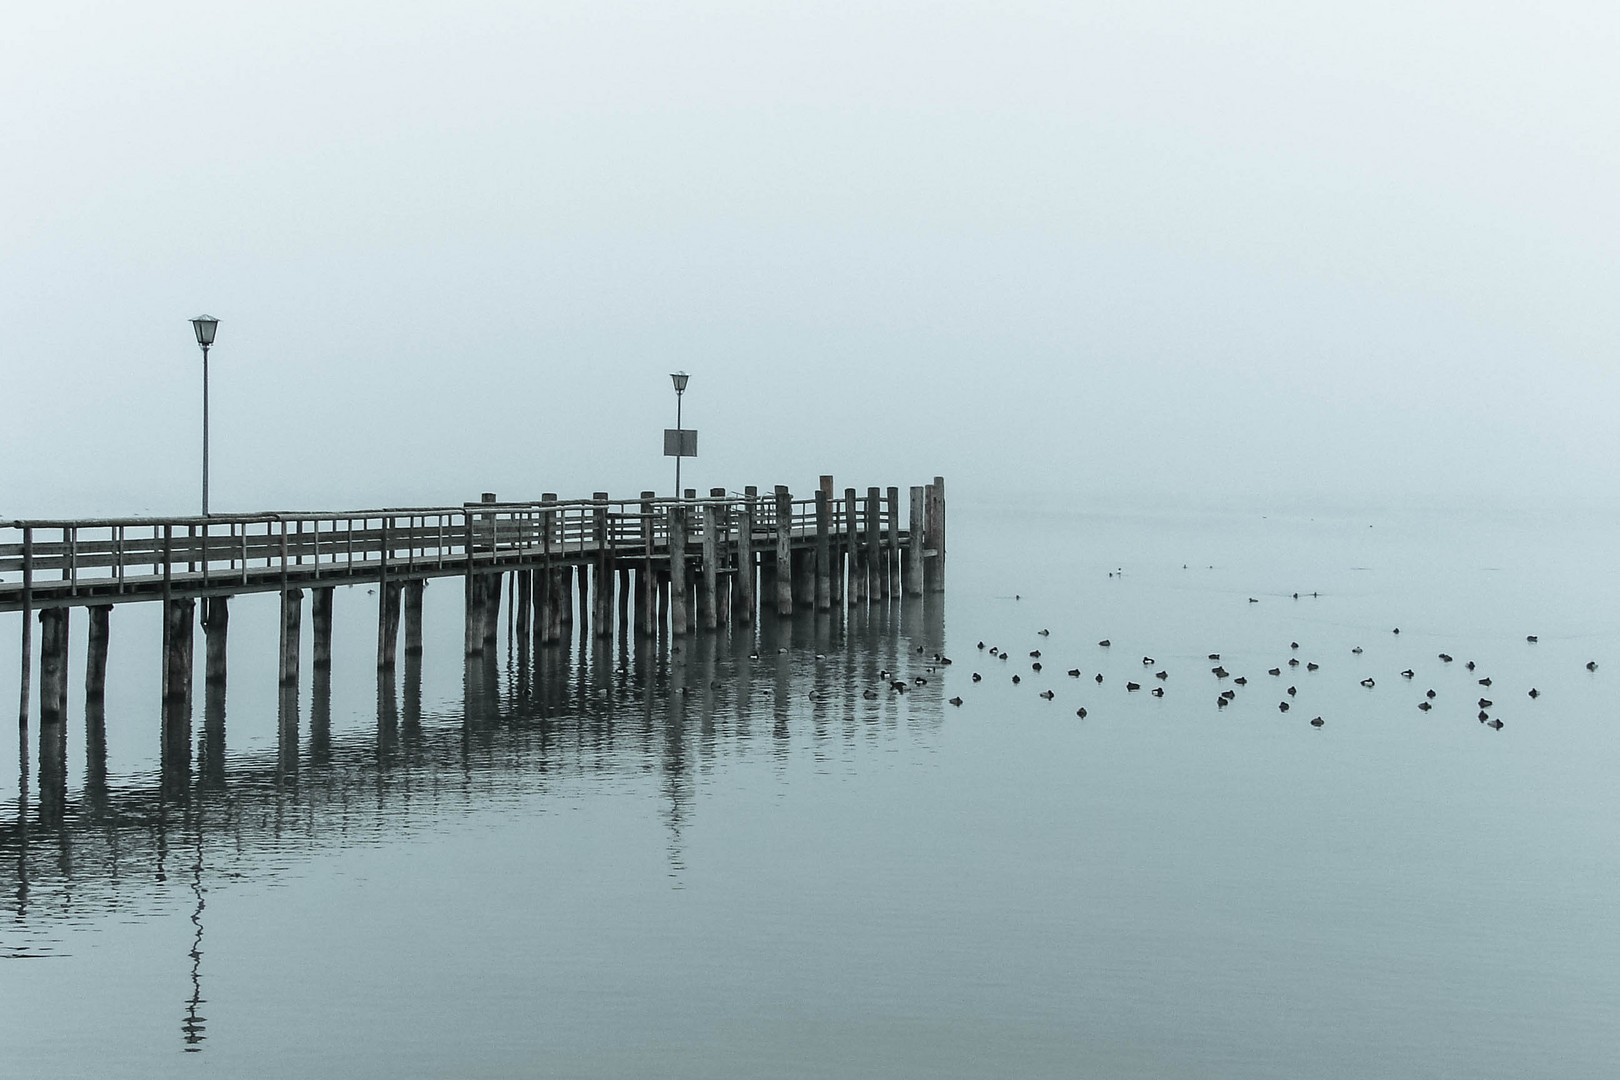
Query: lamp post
(679,379)
(205,325)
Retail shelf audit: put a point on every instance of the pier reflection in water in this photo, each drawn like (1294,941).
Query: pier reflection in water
(133,845)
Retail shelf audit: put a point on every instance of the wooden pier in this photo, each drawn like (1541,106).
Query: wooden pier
(648,567)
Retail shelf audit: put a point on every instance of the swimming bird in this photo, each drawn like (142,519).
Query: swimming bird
(1485,681)
(1425,706)
(1161,675)
(1148,661)
(1292,692)
(1368,682)
(1214,656)
(1080,712)
(1099,678)
(1048,695)
(981,645)
(1293,644)
(884,673)
(1356,651)
(1396,630)
(1483,716)
(1316,721)
(919,681)
(1044,633)
(1408,673)
(1158,691)
(869,694)
(977,676)
(1035,653)
(956,701)
(1074,673)
(1282,706)
(1469,665)
(1274,671)
(1016,680)
(1534,692)
(1591,665)
(1485,703)
(1036,666)
(1293,661)
(1220,702)
(1429,695)
(899,685)
(1133,686)
(1497,724)
(1311,667)
(1104,643)
(1229,695)
(1219,672)
(1531,638)
(1241,680)
(1252,600)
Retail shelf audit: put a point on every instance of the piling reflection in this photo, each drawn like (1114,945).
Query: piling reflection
(537,724)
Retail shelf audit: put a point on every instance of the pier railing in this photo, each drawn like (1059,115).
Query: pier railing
(96,561)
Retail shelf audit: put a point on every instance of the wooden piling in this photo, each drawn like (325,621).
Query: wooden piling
(707,616)
(413,616)
(722,558)
(914,545)
(53,669)
(492,608)
(216,622)
(95,658)
(179,616)
(934,524)
(891,544)
(602,576)
(292,615)
(625,595)
(747,596)
(823,550)
(320,627)
(835,545)
(646,581)
(387,624)
(27,628)
(548,619)
(874,545)
(679,613)
(857,554)
(523,604)
(784,551)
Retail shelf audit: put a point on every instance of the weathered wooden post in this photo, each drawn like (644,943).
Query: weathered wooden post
(292,615)
(914,545)
(723,554)
(891,544)
(679,613)
(523,605)
(602,577)
(707,616)
(857,551)
(823,551)
(784,551)
(95,660)
(874,544)
(646,583)
(625,595)
(565,599)
(387,624)
(835,545)
(216,623)
(320,627)
(27,627)
(492,608)
(179,615)
(53,677)
(548,620)
(746,597)
(934,564)
(413,616)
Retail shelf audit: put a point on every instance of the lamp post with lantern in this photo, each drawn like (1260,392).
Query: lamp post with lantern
(205,325)
(679,442)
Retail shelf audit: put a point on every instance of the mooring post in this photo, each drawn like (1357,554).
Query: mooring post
(547,623)
(747,596)
(27,631)
(914,545)
(320,626)
(387,624)
(706,599)
(216,621)
(413,617)
(602,577)
(784,551)
(493,581)
(523,605)
(646,587)
(53,677)
(823,551)
(679,614)
(625,594)
(835,554)
(934,567)
(292,616)
(565,599)
(874,544)
(179,616)
(857,550)
(95,658)
(722,558)
(891,544)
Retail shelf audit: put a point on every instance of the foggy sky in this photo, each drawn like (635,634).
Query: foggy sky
(1211,251)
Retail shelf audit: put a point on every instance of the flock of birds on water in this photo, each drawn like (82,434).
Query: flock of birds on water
(1155,677)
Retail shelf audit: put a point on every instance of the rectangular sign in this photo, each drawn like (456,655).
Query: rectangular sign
(680,442)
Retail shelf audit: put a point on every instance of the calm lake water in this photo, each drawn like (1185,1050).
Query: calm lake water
(711,864)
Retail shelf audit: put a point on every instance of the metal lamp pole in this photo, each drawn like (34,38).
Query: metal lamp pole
(205,325)
(679,379)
